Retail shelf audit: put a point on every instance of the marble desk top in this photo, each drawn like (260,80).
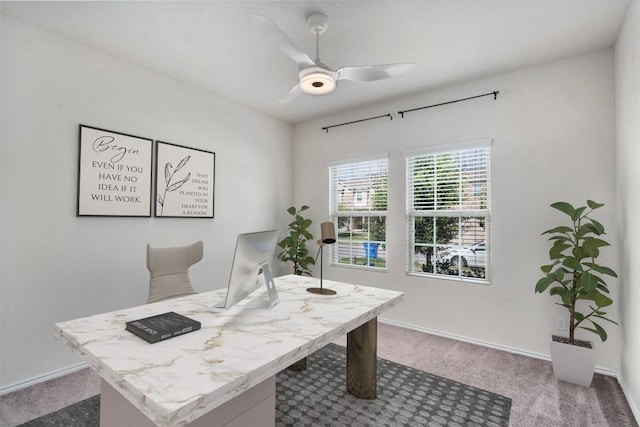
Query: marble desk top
(178,380)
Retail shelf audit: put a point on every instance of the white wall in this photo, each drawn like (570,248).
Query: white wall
(553,139)
(627,65)
(56,266)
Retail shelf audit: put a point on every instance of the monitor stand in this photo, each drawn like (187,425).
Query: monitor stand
(272,293)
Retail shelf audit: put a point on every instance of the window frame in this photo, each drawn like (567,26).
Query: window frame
(335,213)
(482,215)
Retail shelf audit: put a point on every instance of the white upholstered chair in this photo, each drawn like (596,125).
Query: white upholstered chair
(168,268)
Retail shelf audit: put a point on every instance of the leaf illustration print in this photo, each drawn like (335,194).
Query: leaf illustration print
(168,177)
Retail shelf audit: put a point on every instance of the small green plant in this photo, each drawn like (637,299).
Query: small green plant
(294,246)
(574,273)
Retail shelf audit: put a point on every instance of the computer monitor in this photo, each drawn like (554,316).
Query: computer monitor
(251,269)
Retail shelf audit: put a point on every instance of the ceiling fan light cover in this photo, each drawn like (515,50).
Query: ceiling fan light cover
(317,83)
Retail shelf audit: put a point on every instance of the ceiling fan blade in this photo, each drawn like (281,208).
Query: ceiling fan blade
(277,36)
(295,91)
(369,73)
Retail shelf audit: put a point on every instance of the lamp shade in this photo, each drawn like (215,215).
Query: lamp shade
(327,233)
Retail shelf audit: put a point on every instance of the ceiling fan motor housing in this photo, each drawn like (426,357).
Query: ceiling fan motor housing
(317,82)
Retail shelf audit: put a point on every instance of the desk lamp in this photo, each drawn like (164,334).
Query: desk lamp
(328,237)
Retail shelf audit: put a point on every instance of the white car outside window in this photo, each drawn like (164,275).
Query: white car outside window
(472,256)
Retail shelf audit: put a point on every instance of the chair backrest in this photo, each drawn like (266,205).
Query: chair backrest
(168,268)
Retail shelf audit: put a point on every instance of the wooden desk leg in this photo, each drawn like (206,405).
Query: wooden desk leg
(362,376)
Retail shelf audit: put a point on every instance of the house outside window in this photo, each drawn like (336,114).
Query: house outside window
(358,206)
(448,211)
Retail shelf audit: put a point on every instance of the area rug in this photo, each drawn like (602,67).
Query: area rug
(317,397)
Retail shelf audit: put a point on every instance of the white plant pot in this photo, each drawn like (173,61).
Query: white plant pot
(573,363)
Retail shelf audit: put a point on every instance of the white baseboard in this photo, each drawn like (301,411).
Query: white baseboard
(42,378)
(547,357)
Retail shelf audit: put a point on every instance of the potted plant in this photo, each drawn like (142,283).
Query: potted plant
(577,279)
(294,246)
(294,250)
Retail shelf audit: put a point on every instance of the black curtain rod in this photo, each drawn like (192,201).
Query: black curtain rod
(326,128)
(494,93)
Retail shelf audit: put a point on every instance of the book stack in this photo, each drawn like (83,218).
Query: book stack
(162,326)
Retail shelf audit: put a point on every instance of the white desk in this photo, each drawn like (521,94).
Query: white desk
(227,369)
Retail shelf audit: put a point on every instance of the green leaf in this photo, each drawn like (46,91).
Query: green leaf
(594,205)
(560,229)
(600,316)
(558,290)
(572,263)
(577,252)
(591,245)
(556,250)
(564,207)
(563,293)
(598,227)
(558,274)
(601,269)
(546,268)
(602,300)
(544,283)
(585,229)
(578,212)
(599,330)
(560,238)
(588,281)
(292,210)
(595,242)
(304,208)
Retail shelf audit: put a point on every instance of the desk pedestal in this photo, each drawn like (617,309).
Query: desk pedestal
(254,407)
(362,345)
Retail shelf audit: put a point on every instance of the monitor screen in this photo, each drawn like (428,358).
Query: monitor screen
(253,250)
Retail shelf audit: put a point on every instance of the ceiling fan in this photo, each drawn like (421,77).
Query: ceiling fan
(315,78)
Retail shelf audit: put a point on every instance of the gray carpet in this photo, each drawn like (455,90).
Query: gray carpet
(317,397)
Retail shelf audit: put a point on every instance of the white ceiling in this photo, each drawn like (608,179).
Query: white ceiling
(214,46)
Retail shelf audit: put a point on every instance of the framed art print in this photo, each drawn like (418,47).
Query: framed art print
(184,181)
(114,173)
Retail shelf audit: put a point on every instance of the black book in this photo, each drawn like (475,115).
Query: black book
(162,326)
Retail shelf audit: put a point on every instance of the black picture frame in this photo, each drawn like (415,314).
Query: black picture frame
(185,182)
(114,173)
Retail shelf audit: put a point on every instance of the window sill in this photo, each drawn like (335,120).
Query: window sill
(451,278)
(358,267)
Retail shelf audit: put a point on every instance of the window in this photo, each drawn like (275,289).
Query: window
(358,206)
(448,195)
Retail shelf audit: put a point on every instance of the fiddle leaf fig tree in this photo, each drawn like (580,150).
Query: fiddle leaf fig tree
(574,274)
(294,246)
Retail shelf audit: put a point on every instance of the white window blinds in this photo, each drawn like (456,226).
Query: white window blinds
(359,187)
(448,181)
